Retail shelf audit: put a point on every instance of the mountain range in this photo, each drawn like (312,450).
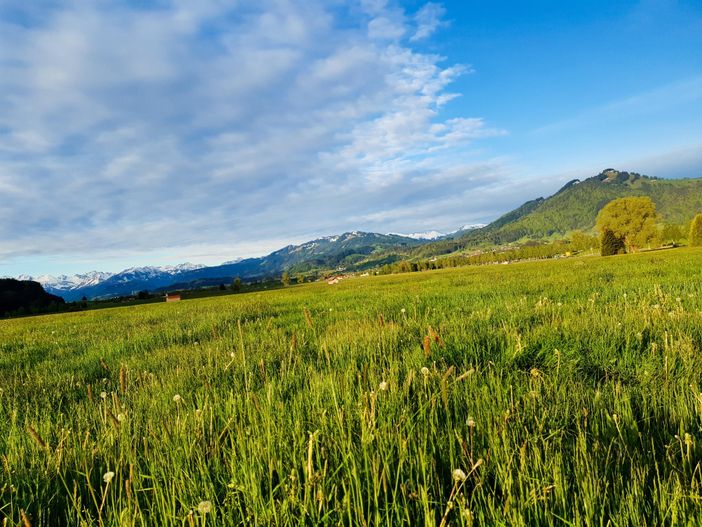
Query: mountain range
(573,207)
(331,252)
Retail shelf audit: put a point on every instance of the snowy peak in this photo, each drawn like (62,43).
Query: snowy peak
(63,283)
(436,235)
(69,283)
(428,235)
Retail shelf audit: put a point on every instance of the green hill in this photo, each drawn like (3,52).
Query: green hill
(22,297)
(576,205)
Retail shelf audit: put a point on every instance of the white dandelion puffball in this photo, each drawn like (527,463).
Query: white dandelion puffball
(177,398)
(383,386)
(204,507)
(458,475)
(107,477)
(103,395)
(425,371)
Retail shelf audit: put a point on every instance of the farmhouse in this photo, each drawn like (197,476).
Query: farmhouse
(172,297)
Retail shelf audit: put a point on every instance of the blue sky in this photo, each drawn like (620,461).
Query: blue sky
(135,133)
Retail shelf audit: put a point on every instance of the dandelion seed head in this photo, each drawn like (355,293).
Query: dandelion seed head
(471,422)
(425,371)
(383,386)
(403,310)
(121,417)
(107,476)
(103,395)
(458,475)
(177,398)
(204,507)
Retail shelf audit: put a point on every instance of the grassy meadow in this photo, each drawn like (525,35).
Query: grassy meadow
(562,392)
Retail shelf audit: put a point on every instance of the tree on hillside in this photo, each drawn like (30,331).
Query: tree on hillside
(632,220)
(236,284)
(695,238)
(285,278)
(672,233)
(582,242)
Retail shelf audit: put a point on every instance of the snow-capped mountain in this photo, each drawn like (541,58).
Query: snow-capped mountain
(471,227)
(68,283)
(152,272)
(99,283)
(436,235)
(428,235)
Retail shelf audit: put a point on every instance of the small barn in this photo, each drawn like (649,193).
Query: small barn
(172,297)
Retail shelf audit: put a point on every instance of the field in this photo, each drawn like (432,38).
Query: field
(549,393)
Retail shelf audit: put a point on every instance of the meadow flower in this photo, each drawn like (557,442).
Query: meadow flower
(403,311)
(204,507)
(107,477)
(383,386)
(103,395)
(471,422)
(458,475)
(177,398)
(121,417)
(425,371)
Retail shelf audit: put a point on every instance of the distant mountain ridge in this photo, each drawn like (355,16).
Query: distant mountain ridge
(328,252)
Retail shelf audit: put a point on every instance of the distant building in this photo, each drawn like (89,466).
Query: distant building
(172,297)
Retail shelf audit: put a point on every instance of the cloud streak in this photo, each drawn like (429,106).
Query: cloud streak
(148,127)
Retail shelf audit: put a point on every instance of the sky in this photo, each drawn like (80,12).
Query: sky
(158,132)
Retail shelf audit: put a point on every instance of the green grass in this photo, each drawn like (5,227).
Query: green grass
(568,393)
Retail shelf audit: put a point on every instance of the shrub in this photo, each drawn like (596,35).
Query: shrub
(695,237)
(610,243)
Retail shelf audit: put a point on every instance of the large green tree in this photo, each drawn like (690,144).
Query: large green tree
(695,238)
(632,220)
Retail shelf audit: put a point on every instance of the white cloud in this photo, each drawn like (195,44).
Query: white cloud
(428,20)
(223,124)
